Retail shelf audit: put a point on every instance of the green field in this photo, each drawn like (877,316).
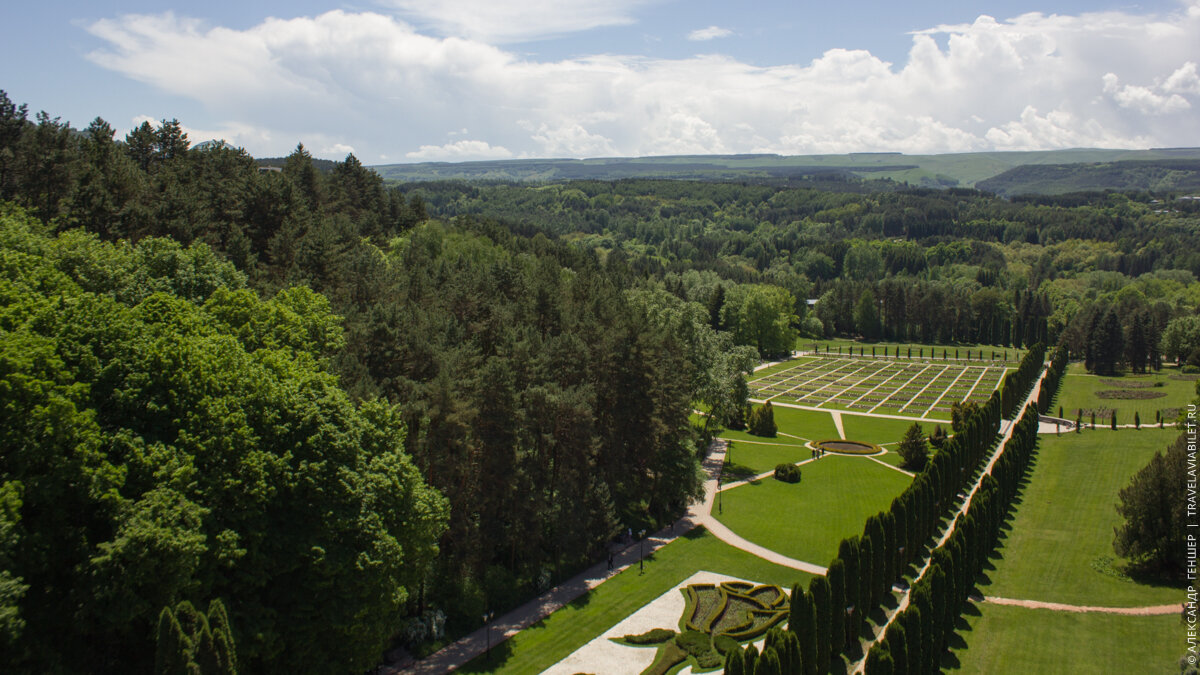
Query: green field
(1004,639)
(743,460)
(808,520)
(554,638)
(881,430)
(1079,392)
(1060,545)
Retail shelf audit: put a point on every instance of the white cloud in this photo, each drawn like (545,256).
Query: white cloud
(710,33)
(504,22)
(459,151)
(338,149)
(1143,99)
(571,140)
(1184,80)
(1109,79)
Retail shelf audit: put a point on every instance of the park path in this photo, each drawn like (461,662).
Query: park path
(458,653)
(1157,610)
(1009,426)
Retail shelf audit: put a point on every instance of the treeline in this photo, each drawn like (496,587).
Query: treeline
(545,391)
(995,271)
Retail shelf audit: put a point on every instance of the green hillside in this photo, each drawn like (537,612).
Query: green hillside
(1155,175)
(951,170)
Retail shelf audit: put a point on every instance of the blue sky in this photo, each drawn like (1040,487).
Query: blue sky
(415,80)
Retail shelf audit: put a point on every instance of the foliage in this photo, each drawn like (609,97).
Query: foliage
(762,421)
(1154,507)
(152,456)
(913,449)
(788,473)
(190,642)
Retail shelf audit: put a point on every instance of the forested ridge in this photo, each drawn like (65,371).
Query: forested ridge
(351,411)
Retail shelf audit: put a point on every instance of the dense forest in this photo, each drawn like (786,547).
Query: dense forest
(419,401)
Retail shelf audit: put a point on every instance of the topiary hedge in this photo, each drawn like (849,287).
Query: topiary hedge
(788,473)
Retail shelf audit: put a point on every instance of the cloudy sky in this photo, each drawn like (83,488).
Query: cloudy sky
(454,80)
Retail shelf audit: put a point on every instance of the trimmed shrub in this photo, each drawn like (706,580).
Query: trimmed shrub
(788,473)
(725,644)
(653,636)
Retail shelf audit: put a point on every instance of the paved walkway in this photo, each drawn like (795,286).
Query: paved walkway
(1157,610)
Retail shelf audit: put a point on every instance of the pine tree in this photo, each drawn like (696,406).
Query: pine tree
(802,621)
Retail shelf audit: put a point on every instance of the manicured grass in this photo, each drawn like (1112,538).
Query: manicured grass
(808,424)
(554,638)
(1006,639)
(891,457)
(750,459)
(808,520)
(880,430)
(1063,528)
(1079,392)
(790,364)
(777,440)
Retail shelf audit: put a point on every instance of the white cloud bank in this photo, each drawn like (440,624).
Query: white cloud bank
(1108,79)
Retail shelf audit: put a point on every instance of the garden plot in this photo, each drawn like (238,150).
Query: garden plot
(890,386)
(604,656)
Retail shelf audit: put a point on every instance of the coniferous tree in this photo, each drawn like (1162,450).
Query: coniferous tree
(819,591)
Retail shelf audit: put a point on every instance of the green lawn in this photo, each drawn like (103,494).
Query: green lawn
(744,459)
(808,520)
(798,364)
(1007,639)
(880,430)
(1079,392)
(809,424)
(1060,545)
(553,639)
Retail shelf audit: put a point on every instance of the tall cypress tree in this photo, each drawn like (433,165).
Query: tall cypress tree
(837,606)
(897,638)
(818,590)
(802,622)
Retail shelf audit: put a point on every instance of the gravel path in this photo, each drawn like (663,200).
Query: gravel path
(1158,610)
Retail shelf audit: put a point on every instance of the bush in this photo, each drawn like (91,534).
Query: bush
(725,644)
(1190,369)
(788,473)
(694,642)
(653,636)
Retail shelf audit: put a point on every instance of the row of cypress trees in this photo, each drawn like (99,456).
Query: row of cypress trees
(828,616)
(1016,384)
(1058,368)
(918,636)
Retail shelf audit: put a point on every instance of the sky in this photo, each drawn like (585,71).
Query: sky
(458,80)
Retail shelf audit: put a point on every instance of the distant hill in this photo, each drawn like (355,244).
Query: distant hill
(1155,175)
(322,165)
(950,170)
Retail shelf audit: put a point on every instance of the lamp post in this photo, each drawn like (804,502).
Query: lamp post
(642,552)
(487,618)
